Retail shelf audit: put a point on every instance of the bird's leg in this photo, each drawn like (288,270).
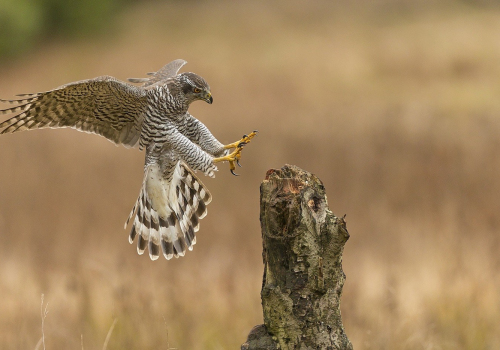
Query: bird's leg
(235,156)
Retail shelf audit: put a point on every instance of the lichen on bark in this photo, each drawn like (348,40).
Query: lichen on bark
(303,242)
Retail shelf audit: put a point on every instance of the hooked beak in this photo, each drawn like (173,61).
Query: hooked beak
(208,98)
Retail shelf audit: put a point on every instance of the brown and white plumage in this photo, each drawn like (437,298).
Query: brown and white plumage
(168,210)
(153,116)
(103,106)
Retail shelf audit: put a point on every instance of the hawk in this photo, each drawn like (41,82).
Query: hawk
(152,116)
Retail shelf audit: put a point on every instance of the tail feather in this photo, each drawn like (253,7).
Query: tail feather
(195,223)
(166,242)
(130,216)
(154,249)
(168,249)
(192,181)
(132,234)
(141,244)
(167,213)
(179,245)
(142,239)
(201,212)
(154,236)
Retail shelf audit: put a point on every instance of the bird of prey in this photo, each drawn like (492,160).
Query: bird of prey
(152,116)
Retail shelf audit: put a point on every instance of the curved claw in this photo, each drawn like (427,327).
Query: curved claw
(256,131)
(232,172)
(244,136)
(241,144)
(238,162)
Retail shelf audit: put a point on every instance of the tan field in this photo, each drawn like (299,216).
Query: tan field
(395,106)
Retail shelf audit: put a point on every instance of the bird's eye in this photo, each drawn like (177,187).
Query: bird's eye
(196,90)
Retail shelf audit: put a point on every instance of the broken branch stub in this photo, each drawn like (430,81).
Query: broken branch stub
(303,242)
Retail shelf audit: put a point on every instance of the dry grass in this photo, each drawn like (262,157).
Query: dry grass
(395,109)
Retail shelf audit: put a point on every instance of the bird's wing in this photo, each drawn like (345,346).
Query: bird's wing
(168,71)
(103,106)
(167,213)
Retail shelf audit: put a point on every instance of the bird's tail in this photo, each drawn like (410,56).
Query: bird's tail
(167,213)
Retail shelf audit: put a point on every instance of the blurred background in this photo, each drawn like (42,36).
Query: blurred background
(393,104)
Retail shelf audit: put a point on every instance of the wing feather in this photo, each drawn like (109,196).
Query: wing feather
(103,106)
(168,71)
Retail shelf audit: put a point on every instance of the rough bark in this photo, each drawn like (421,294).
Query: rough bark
(303,243)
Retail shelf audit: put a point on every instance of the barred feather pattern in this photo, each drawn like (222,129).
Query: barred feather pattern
(153,116)
(103,106)
(167,212)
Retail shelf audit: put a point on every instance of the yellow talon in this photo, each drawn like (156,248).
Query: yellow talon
(235,156)
(231,157)
(246,139)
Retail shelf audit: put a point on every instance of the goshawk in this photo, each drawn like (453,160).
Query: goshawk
(153,116)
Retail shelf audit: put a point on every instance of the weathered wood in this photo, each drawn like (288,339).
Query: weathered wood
(303,243)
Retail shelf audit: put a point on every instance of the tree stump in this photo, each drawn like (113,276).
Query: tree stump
(303,243)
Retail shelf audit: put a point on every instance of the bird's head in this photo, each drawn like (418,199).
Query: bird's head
(195,88)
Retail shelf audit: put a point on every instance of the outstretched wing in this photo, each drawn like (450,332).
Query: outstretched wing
(103,106)
(168,71)
(168,210)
